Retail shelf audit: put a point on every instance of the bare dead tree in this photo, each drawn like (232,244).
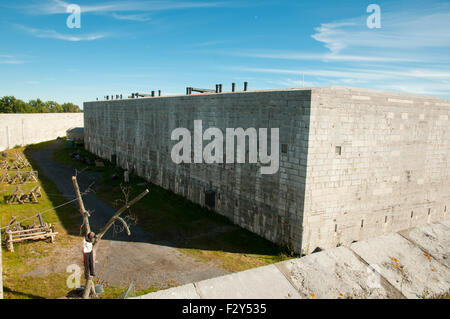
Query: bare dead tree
(116,217)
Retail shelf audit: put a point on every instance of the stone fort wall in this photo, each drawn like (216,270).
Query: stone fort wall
(353,163)
(24,129)
(393,170)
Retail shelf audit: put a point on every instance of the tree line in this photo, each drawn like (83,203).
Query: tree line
(9,104)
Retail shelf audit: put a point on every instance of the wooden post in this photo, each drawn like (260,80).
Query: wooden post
(9,243)
(89,284)
(83,211)
(1,267)
(90,287)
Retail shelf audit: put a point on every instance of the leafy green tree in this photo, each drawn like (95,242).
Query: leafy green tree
(70,108)
(53,107)
(23,107)
(9,104)
(39,106)
(6,104)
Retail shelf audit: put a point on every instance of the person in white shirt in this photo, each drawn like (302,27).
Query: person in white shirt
(126,176)
(88,257)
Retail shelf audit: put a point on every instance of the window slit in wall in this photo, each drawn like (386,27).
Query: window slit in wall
(335,228)
(362,223)
(385,219)
(338,150)
(284,148)
(429,211)
(412,214)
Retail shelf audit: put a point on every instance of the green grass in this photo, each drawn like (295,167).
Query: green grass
(445,295)
(195,231)
(29,254)
(114,292)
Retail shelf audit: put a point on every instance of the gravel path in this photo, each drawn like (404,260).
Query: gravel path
(136,258)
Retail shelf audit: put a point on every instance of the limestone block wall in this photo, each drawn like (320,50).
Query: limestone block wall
(354,163)
(393,170)
(24,129)
(138,132)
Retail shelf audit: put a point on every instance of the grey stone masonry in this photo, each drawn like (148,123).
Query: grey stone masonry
(31,128)
(393,171)
(354,163)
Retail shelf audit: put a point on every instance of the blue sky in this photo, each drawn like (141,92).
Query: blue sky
(140,46)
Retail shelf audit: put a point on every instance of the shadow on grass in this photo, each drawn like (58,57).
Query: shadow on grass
(19,294)
(162,216)
(67,214)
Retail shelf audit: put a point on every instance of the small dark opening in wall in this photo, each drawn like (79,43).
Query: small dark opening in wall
(429,211)
(284,148)
(385,219)
(362,223)
(338,150)
(445,208)
(412,214)
(335,228)
(210,199)
(114,159)
(317,250)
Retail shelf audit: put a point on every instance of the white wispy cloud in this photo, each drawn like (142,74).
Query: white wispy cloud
(33,82)
(10,59)
(326,57)
(358,73)
(59,6)
(52,34)
(408,54)
(131,17)
(404,37)
(419,81)
(399,31)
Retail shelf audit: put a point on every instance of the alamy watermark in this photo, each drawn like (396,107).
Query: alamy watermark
(374,20)
(213,152)
(73,280)
(74,19)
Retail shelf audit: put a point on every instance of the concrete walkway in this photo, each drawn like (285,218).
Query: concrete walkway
(409,264)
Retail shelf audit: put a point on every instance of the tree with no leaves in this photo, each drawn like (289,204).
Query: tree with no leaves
(87,229)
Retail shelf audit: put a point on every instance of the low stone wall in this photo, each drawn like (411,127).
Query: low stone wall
(24,129)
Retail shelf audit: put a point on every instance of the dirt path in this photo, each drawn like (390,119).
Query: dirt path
(128,258)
